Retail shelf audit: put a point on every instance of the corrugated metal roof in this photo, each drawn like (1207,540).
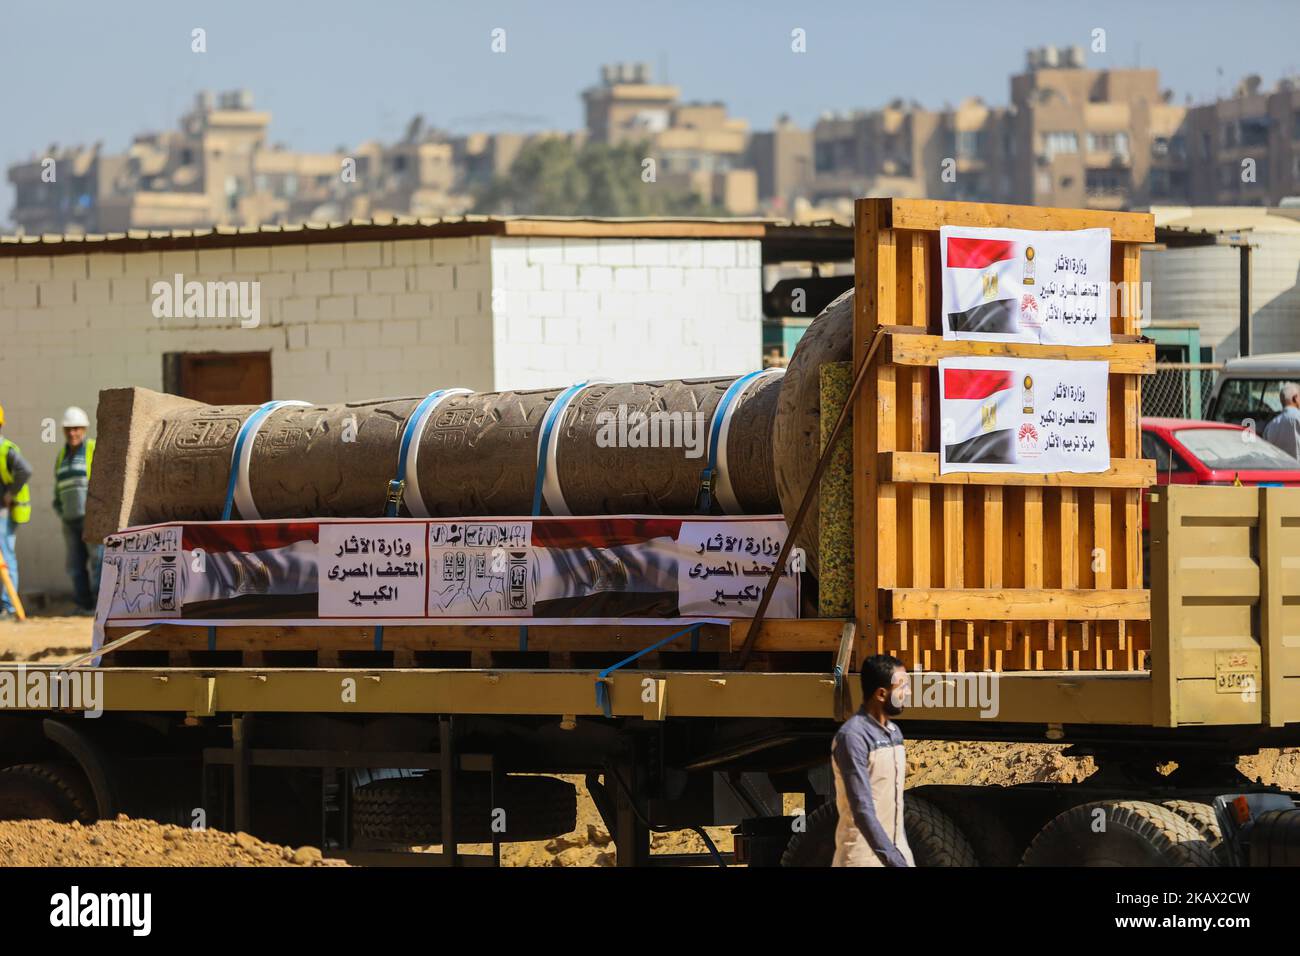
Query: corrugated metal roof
(405,227)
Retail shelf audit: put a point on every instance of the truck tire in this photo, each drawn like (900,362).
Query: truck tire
(1275,839)
(45,791)
(1135,833)
(981,821)
(407,811)
(934,838)
(1201,816)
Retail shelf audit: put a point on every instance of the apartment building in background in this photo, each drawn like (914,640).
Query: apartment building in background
(1070,135)
(218,168)
(695,145)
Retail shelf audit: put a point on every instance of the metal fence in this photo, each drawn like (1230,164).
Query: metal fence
(1179,390)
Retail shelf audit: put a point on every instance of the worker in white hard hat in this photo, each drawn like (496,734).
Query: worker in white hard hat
(71,482)
(15,509)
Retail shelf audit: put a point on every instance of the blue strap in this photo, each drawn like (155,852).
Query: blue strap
(553,415)
(249,426)
(397,487)
(602,692)
(708,477)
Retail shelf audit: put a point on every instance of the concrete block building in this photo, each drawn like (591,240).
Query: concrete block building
(357,311)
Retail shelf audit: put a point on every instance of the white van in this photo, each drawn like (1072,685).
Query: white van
(1248,390)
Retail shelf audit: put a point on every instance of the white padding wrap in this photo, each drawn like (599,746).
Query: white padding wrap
(723,491)
(411,490)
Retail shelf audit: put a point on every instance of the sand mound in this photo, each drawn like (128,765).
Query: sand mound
(127,842)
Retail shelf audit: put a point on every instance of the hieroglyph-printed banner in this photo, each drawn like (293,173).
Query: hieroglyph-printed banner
(625,569)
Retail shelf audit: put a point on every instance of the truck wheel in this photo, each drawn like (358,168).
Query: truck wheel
(1135,833)
(1201,816)
(985,829)
(1275,839)
(45,791)
(934,837)
(816,845)
(931,833)
(407,811)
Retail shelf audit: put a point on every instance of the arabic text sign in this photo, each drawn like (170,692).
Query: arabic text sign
(371,570)
(1034,416)
(1021,285)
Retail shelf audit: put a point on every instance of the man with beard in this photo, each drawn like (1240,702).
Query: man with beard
(870,764)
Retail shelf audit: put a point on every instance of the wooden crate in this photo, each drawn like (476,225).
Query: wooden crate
(975,571)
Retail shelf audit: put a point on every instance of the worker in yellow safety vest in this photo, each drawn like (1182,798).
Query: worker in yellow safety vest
(71,483)
(15,509)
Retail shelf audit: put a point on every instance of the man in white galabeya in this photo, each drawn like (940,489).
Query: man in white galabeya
(870,765)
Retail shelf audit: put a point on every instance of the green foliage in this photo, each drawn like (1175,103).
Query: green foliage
(550,177)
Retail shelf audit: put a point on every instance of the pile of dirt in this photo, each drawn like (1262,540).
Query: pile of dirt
(49,640)
(983,763)
(127,842)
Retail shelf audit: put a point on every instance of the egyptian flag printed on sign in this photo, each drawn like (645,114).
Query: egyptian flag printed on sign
(985,281)
(249,570)
(606,567)
(983,406)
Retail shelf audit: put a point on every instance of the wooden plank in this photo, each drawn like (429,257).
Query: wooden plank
(1033,537)
(923,467)
(713,637)
(775,635)
(1069,538)
(1028,604)
(933,213)
(993,532)
(871,246)
(1127,358)
(954,546)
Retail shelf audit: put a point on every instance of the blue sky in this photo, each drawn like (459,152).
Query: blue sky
(335,73)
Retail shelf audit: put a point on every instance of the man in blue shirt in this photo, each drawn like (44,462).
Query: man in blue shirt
(1283,430)
(870,765)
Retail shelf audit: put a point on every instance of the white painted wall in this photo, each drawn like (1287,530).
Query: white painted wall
(363,320)
(565,310)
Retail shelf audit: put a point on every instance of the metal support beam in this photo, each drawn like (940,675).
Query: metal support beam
(240,727)
(1247,268)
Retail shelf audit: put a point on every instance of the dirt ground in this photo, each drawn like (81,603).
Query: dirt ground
(124,842)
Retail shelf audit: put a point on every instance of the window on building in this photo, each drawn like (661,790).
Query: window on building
(1254,131)
(1116,144)
(970,143)
(1107,182)
(1060,143)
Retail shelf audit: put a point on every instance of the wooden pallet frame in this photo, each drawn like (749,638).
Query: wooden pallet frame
(976,572)
(484,646)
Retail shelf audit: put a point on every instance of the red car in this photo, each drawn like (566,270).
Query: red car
(1189,452)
